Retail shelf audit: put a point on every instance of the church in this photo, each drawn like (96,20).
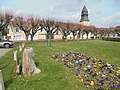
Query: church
(16,34)
(84,17)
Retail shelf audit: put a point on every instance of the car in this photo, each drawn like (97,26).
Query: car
(6,43)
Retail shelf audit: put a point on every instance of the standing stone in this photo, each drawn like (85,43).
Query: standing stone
(23,45)
(29,66)
(15,55)
(18,67)
(1,82)
(20,48)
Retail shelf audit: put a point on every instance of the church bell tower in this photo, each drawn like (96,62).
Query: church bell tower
(84,17)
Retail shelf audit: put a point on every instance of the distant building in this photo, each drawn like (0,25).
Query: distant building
(16,34)
(84,17)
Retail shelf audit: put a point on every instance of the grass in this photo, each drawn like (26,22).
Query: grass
(55,76)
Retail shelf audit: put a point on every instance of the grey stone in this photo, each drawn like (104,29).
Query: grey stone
(29,66)
(1,82)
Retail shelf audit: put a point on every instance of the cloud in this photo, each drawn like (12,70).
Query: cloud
(77,15)
(20,12)
(108,21)
(4,9)
(67,6)
(112,20)
(94,11)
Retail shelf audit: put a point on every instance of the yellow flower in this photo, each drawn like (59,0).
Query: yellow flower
(56,59)
(81,80)
(118,71)
(87,86)
(99,72)
(92,83)
(99,65)
(95,70)
(108,64)
(76,61)
(85,75)
(95,66)
(79,77)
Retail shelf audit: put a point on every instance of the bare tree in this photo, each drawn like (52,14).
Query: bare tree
(101,32)
(50,27)
(74,29)
(95,32)
(34,24)
(5,19)
(80,30)
(117,30)
(22,23)
(64,29)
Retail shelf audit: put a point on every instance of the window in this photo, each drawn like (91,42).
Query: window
(18,37)
(17,30)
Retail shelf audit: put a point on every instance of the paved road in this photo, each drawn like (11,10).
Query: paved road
(3,51)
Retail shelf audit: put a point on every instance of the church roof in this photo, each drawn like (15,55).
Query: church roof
(84,14)
(84,10)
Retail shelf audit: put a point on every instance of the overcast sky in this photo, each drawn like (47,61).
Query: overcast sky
(102,13)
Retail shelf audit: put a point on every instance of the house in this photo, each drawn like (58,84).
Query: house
(16,34)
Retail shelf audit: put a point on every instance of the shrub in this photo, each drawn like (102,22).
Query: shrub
(112,39)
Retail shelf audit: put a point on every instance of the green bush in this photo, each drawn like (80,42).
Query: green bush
(112,39)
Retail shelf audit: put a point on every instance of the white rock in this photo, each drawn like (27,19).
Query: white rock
(20,48)
(15,55)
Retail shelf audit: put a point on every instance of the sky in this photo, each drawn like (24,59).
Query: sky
(102,13)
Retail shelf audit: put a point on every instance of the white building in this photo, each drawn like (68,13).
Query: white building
(16,34)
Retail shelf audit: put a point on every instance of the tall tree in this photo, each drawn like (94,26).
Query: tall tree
(117,30)
(5,19)
(50,27)
(22,23)
(64,29)
(73,29)
(101,32)
(34,24)
(95,32)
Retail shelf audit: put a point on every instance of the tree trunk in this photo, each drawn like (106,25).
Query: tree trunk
(73,37)
(108,35)
(65,38)
(29,66)
(113,34)
(87,36)
(82,36)
(79,35)
(95,36)
(100,37)
(49,40)
(27,35)
(32,36)
(1,82)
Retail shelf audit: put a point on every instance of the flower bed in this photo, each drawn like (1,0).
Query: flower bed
(93,73)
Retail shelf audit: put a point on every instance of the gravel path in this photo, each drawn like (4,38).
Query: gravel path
(3,51)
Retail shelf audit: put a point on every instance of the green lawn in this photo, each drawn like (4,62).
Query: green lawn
(56,76)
